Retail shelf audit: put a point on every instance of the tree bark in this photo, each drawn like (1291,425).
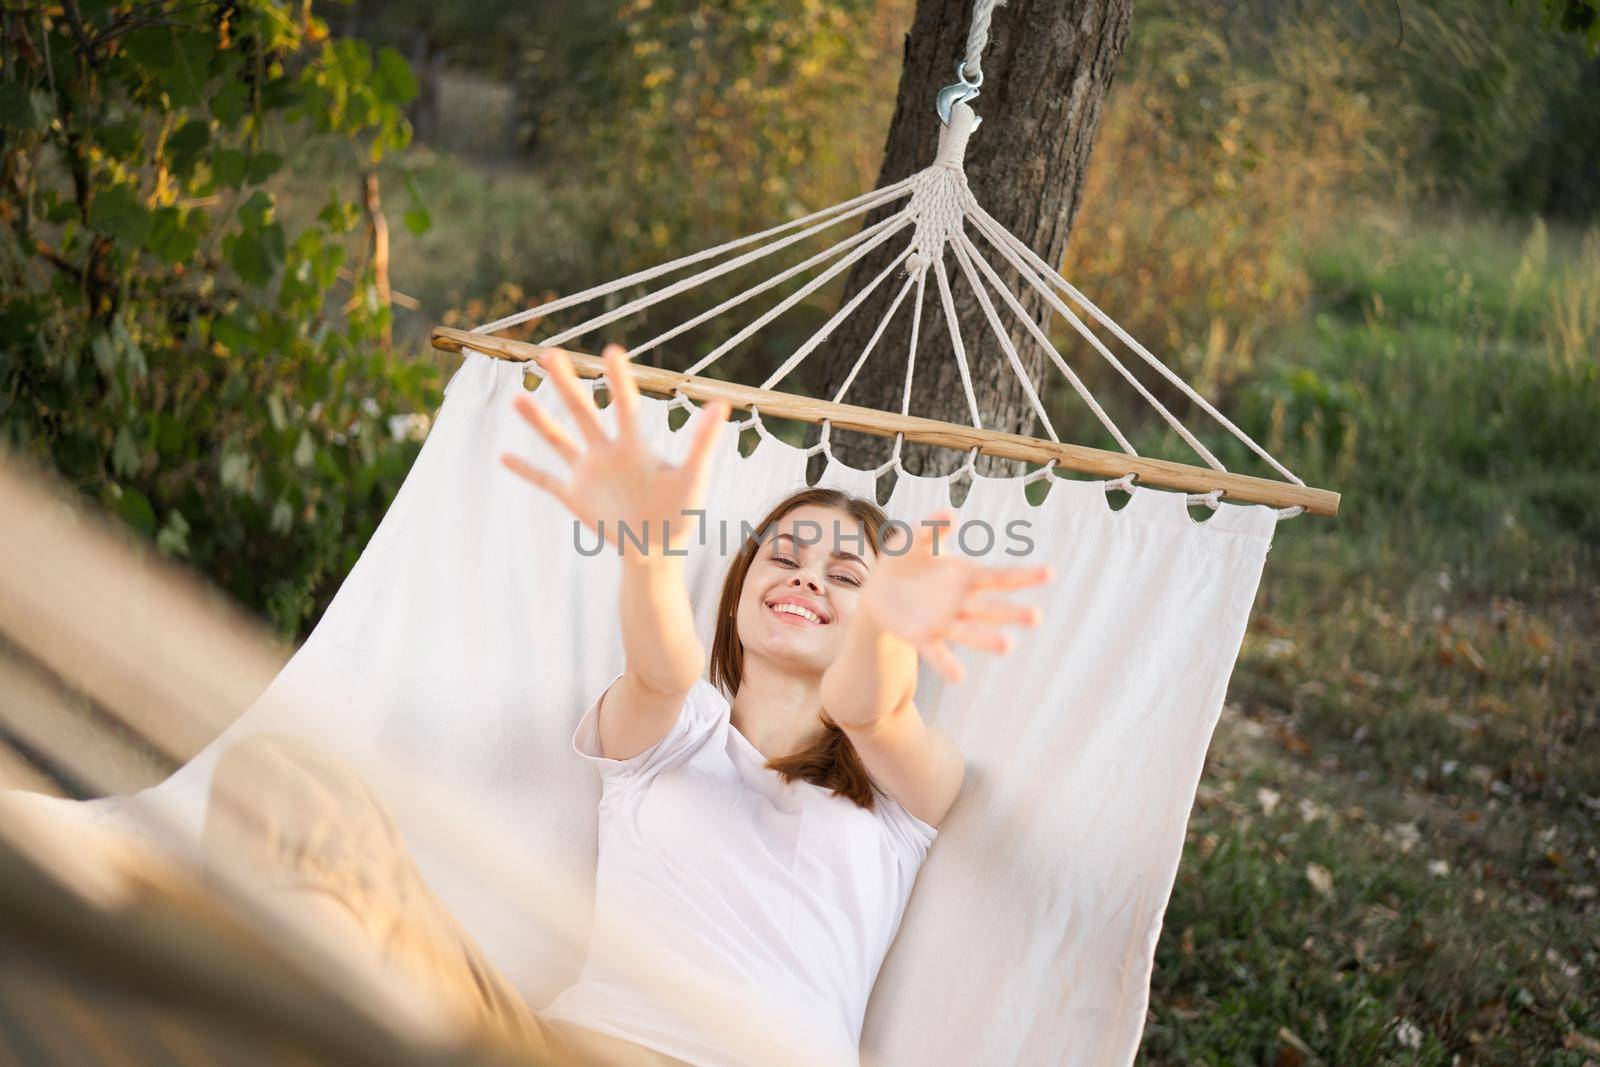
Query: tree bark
(1046,73)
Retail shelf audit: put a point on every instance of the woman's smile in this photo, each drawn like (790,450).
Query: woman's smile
(798,610)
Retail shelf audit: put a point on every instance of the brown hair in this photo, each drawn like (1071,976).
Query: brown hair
(832,762)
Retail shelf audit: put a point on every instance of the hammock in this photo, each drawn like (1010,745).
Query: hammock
(470,635)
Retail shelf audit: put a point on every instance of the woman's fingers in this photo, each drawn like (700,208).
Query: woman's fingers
(999,612)
(1012,577)
(978,635)
(550,484)
(547,427)
(942,660)
(624,390)
(935,533)
(712,416)
(578,402)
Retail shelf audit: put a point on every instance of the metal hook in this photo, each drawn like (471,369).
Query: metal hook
(959,93)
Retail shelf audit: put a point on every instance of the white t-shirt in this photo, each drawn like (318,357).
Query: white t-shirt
(780,890)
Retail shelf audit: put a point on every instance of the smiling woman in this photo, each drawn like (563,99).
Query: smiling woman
(767,825)
(788,598)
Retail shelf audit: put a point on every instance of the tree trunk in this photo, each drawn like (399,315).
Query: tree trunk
(1046,72)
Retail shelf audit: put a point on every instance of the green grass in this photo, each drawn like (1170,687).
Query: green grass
(1417,705)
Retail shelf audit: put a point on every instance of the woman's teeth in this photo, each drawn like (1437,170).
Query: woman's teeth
(796,609)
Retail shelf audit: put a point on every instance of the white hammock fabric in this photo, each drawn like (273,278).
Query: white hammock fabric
(471,634)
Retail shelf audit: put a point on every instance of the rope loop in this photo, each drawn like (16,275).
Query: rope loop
(825,443)
(681,400)
(529,366)
(754,420)
(1290,512)
(1046,471)
(1125,483)
(968,466)
(893,462)
(1212,500)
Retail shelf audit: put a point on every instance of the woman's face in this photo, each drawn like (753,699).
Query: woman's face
(803,586)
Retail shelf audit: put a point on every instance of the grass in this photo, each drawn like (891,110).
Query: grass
(1392,858)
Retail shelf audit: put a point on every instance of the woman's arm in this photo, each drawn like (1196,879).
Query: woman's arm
(916,602)
(868,691)
(664,656)
(618,484)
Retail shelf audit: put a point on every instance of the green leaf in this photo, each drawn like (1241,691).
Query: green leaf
(170,240)
(228,167)
(229,104)
(135,509)
(233,335)
(339,215)
(393,81)
(417,219)
(264,165)
(234,472)
(282,92)
(256,212)
(125,455)
(117,212)
(257,255)
(185,145)
(171,434)
(22,108)
(122,140)
(174,536)
(191,59)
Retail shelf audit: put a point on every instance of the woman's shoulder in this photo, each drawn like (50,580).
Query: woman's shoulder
(706,702)
(912,834)
(704,709)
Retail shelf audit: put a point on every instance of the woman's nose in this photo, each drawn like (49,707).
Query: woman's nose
(798,578)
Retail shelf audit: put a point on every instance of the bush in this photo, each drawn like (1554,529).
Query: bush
(168,343)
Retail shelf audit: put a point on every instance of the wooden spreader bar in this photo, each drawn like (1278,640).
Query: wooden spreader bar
(1095,461)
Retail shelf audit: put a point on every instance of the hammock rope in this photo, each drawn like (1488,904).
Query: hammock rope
(939,211)
(978,38)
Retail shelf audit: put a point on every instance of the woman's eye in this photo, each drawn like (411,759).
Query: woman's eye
(852,579)
(785,560)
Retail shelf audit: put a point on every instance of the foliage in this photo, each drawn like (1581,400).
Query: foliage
(1218,161)
(1500,108)
(1581,17)
(1240,134)
(168,343)
(690,124)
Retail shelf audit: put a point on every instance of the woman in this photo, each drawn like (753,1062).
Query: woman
(749,829)
(767,840)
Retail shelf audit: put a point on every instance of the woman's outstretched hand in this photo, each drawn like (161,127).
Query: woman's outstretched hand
(618,482)
(931,596)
